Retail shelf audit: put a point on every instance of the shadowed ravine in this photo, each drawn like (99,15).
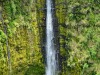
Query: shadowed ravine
(50,48)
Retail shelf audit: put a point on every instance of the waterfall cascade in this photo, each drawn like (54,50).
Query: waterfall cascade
(50,48)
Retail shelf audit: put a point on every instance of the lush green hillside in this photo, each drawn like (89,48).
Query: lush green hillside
(79,36)
(22,33)
(19,36)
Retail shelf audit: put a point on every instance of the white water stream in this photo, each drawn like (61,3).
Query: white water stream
(50,48)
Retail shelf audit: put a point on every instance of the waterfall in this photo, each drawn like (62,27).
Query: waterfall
(50,48)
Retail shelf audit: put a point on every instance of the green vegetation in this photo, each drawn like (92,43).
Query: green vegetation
(21,31)
(19,28)
(80,36)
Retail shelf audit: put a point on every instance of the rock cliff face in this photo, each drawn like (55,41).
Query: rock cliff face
(22,36)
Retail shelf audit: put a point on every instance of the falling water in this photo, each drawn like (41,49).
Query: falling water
(50,49)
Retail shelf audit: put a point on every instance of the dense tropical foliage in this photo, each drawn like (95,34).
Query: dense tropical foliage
(22,27)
